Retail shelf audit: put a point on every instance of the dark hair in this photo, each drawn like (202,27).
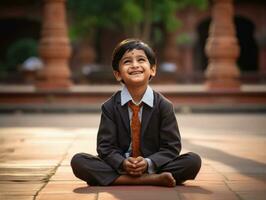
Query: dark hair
(129,45)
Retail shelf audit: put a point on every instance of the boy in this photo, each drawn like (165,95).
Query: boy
(138,139)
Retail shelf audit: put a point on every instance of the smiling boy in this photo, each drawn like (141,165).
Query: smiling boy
(138,140)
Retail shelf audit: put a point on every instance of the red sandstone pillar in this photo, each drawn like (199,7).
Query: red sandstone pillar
(170,52)
(222,48)
(54,47)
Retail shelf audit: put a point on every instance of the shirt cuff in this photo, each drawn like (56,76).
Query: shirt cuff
(151,168)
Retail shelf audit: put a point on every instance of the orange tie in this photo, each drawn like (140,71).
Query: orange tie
(135,129)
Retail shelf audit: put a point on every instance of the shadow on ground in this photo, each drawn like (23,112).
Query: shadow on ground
(245,166)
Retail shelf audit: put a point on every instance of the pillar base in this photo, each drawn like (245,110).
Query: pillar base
(223,85)
(52,85)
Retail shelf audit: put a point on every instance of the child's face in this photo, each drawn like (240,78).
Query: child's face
(135,68)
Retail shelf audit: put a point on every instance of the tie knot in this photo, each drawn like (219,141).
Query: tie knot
(135,108)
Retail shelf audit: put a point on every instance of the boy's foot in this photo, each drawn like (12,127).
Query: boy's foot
(164,179)
(167,179)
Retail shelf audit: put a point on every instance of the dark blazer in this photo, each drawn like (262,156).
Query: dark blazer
(160,138)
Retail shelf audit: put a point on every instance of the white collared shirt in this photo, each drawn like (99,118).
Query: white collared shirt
(148,100)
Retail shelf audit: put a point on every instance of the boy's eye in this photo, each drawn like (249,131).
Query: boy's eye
(142,59)
(126,61)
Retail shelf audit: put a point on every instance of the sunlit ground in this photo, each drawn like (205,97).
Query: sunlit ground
(36,149)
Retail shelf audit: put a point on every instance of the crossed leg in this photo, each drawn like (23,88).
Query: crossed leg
(95,171)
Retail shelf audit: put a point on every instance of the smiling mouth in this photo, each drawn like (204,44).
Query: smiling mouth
(135,72)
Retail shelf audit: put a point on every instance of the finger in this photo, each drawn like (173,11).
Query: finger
(139,159)
(129,162)
(143,163)
(139,169)
(140,164)
(132,163)
(130,167)
(135,173)
(132,160)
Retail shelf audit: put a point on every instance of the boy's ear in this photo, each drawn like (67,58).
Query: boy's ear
(117,75)
(153,70)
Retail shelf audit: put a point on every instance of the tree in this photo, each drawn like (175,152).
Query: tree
(135,18)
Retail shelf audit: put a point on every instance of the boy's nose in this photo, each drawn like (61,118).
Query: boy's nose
(135,63)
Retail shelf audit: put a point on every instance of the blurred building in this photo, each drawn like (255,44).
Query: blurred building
(182,58)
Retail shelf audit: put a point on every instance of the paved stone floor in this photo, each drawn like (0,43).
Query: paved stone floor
(35,151)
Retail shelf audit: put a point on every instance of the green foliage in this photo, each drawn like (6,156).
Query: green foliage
(19,51)
(87,15)
(183,39)
(134,17)
(201,4)
(131,13)
(164,11)
(3,70)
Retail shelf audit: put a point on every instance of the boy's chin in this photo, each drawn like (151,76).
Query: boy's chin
(137,82)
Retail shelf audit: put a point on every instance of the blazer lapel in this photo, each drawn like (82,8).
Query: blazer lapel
(123,110)
(146,116)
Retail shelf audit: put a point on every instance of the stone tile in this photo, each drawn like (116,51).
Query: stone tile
(64,173)
(81,146)
(67,196)
(24,174)
(65,162)
(22,168)
(40,151)
(90,150)
(10,169)
(247,186)
(207,169)
(15,197)
(252,195)
(74,189)
(229,171)
(40,132)
(34,157)
(61,187)
(24,189)
(137,192)
(244,167)
(245,176)
(205,190)
(192,196)
(210,177)
(29,163)
(23,177)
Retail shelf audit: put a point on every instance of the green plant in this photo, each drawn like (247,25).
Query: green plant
(19,51)
(3,71)
(184,39)
(133,17)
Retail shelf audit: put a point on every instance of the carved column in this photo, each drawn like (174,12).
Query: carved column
(170,50)
(54,47)
(222,48)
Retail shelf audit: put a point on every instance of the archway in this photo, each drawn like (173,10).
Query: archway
(248,58)
(12,29)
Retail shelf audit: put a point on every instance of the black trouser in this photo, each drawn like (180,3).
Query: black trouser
(95,171)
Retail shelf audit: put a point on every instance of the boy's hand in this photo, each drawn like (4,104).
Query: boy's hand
(135,166)
(129,164)
(141,166)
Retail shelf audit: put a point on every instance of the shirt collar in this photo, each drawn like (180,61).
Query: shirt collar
(147,97)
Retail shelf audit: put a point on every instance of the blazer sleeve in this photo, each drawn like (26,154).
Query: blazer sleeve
(170,140)
(107,146)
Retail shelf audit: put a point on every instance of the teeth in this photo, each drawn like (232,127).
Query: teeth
(133,73)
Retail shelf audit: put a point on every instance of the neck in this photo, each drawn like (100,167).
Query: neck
(137,92)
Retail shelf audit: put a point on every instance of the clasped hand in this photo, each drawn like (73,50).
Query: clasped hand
(135,166)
